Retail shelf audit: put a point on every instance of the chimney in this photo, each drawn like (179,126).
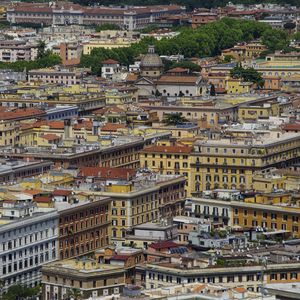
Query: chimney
(68,129)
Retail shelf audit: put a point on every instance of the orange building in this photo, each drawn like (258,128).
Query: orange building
(203,18)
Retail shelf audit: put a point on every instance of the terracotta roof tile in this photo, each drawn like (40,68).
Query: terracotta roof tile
(163,245)
(110,62)
(240,290)
(22,113)
(50,137)
(132,77)
(108,109)
(178,70)
(112,127)
(120,257)
(291,127)
(43,199)
(61,193)
(178,79)
(33,192)
(107,173)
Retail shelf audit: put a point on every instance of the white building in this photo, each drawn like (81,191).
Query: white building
(26,244)
(109,68)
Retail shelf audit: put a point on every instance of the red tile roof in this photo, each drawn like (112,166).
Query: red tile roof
(50,137)
(178,70)
(120,257)
(169,149)
(21,113)
(177,79)
(240,290)
(132,77)
(61,193)
(291,127)
(43,199)
(33,192)
(85,124)
(55,124)
(112,127)
(108,110)
(110,62)
(163,245)
(107,173)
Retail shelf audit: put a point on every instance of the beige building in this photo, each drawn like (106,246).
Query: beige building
(56,76)
(12,51)
(88,276)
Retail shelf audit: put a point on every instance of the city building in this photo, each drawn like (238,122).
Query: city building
(91,278)
(57,76)
(12,51)
(269,215)
(135,17)
(146,198)
(83,226)
(29,239)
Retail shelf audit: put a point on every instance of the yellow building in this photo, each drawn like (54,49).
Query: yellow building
(54,178)
(9,133)
(227,163)
(106,44)
(31,183)
(115,97)
(145,199)
(271,216)
(167,159)
(237,86)
(252,112)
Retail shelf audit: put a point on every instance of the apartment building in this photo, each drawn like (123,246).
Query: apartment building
(26,243)
(58,13)
(57,76)
(91,278)
(231,163)
(10,124)
(16,170)
(146,198)
(249,214)
(84,227)
(163,274)
(12,51)
(224,162)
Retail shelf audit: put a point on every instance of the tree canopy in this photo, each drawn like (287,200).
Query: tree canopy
(19,291)
(175,119)
(248,74)
(46,60)
(107,27)
(208,40)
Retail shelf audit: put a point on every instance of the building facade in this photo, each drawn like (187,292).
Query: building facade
(25,245)
(88,276)
(63,13)
(84,228)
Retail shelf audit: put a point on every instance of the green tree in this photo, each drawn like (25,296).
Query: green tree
(289,26)
(74,293)
(275,39)
(227,58)
(186,65)
(248,74)
(41,49)
(104,27)
(174,119)
(19,291)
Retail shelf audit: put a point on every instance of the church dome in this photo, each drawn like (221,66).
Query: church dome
(151,59)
